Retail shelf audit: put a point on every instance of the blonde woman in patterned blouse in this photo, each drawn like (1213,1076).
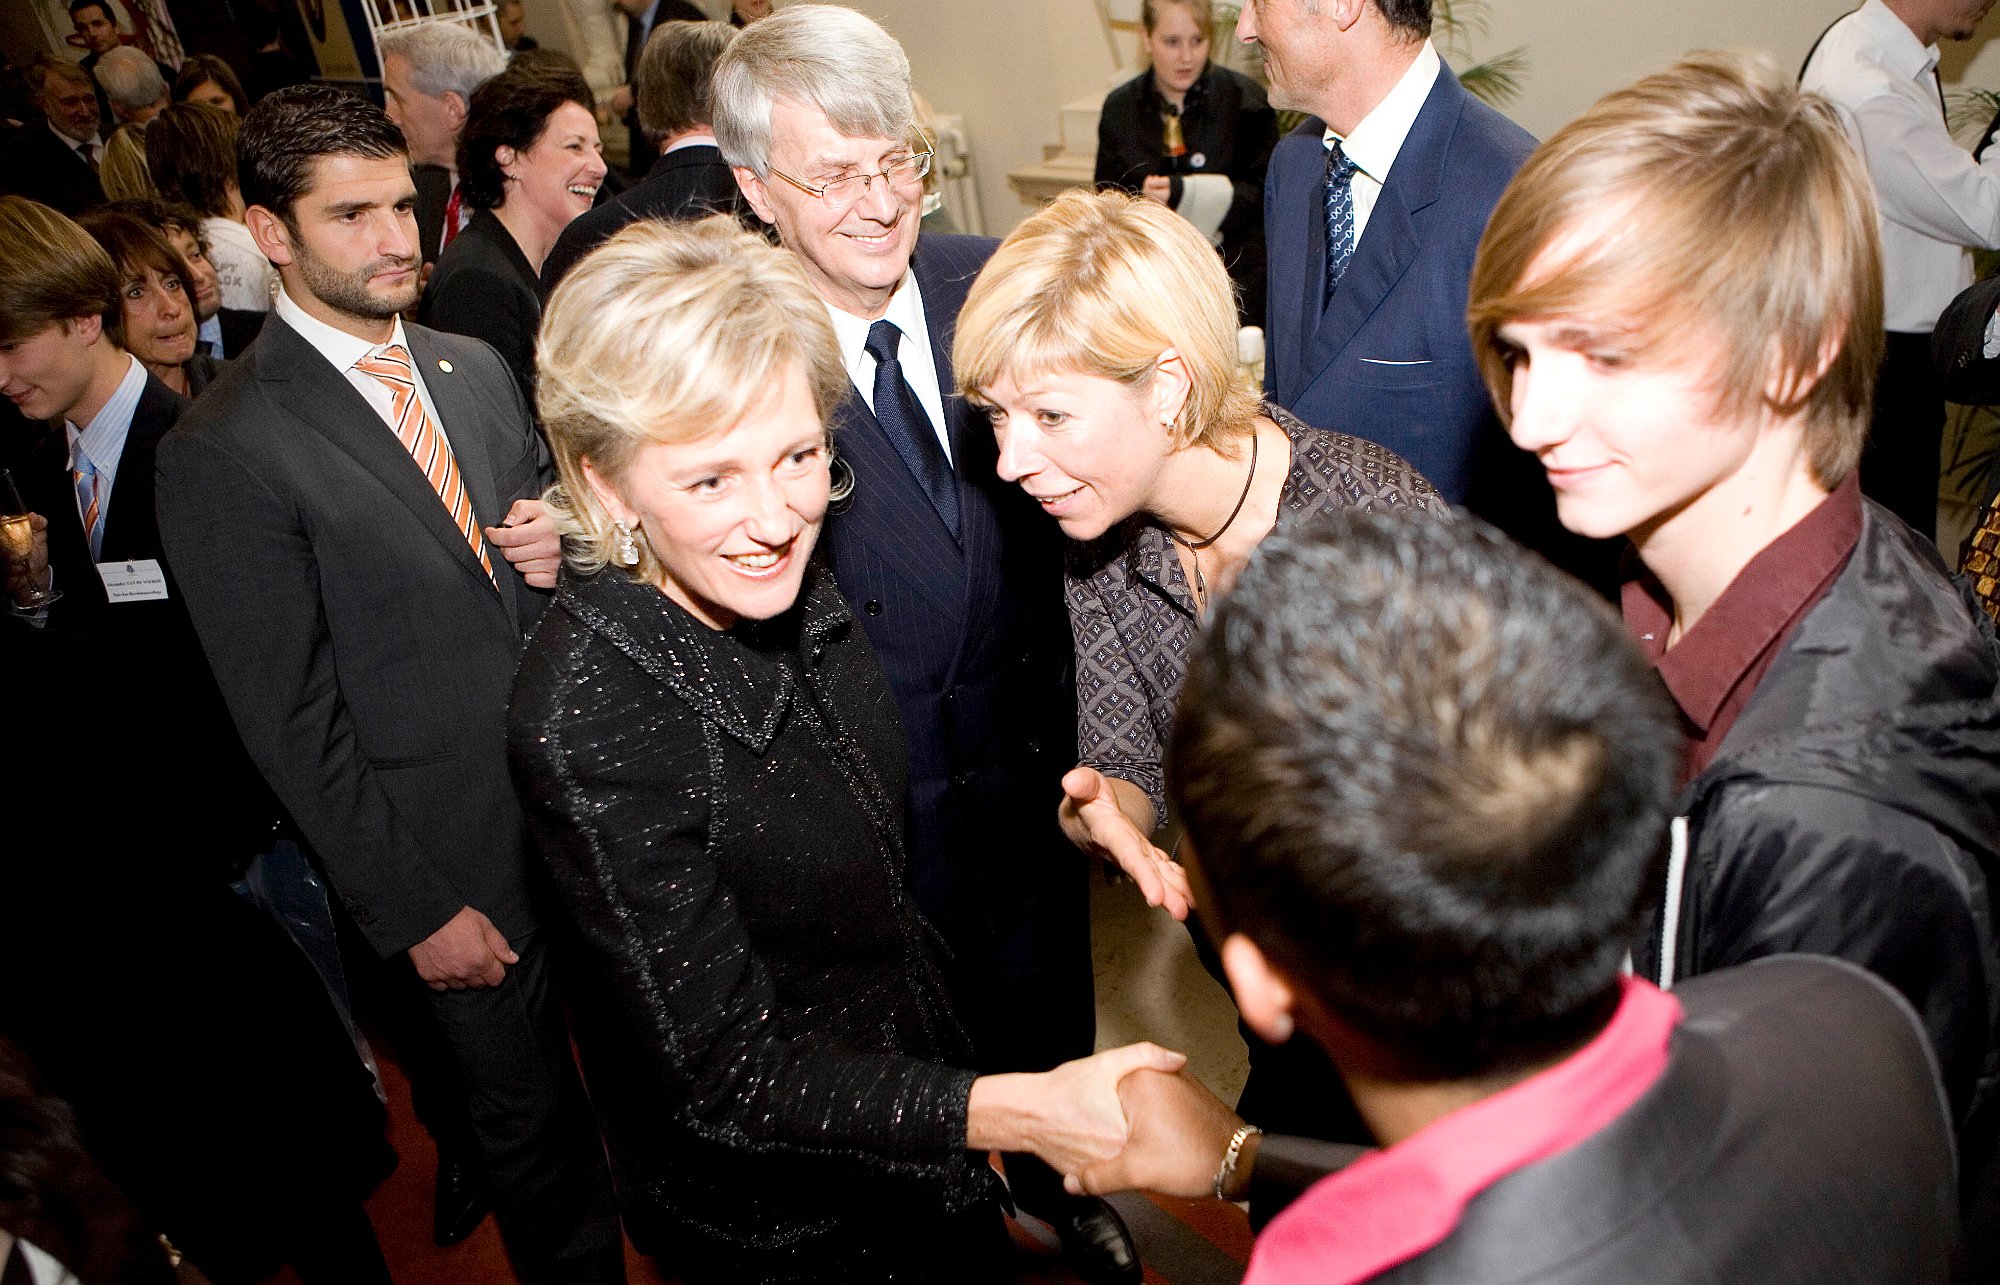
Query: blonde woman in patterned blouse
(1101,339)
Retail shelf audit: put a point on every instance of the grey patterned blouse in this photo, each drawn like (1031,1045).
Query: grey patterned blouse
(1133,615)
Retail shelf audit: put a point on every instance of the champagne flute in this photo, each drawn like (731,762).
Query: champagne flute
(17,540)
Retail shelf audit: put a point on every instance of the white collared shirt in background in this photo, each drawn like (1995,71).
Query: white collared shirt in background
(1378,139)
(343,350)
(906,310)
(1936,201)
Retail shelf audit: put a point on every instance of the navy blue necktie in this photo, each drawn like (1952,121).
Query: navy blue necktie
(1339,217)
(910,432)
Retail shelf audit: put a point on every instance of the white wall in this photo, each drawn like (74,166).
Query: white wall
(1006,67)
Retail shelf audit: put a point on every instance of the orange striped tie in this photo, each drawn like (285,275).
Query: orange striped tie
(85,481)
(426,445)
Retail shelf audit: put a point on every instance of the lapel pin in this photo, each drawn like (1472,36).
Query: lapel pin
(444,365)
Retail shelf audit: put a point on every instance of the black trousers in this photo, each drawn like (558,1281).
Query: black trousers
(545,1167)
(1900,463)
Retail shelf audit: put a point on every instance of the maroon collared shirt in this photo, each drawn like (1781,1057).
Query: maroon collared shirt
(1714,669)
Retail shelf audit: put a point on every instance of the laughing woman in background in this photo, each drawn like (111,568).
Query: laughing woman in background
(529,161)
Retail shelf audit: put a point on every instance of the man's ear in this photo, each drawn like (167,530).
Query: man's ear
(270,234)
(1263,995)
(454,109)
(755,193)
(1345,13)
(89,327)
(1785,389)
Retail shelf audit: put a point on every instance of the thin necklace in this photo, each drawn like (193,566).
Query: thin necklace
(1196,546)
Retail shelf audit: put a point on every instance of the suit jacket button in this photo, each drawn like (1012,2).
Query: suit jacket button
(872,607)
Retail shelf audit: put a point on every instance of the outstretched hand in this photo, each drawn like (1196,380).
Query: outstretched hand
(1092,818)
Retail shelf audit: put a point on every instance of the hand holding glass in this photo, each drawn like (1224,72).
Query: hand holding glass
(17,544)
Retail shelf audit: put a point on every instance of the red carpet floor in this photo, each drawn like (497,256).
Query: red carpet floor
(1183,1242)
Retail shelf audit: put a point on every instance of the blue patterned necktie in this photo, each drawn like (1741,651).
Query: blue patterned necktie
(908,428)
(1340,172)
(89,502)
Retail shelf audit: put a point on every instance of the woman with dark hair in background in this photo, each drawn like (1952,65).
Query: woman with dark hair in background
(209,80)
(529,162)
(191,151)
(157,294)
(1196,138)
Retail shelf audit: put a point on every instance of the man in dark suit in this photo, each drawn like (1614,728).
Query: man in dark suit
(350,510)
(642,19)
(677,107)
(1403,167)
(956,577)
(129,754)
(54,160)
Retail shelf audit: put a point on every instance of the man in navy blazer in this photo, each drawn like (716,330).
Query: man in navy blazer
(1383,354)
(956,577)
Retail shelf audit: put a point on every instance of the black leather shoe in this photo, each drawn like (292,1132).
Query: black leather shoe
(461,1200)
(1095,1241)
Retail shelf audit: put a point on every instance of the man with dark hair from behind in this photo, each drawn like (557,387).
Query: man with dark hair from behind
(352,511)
(690,180)
(1424,825)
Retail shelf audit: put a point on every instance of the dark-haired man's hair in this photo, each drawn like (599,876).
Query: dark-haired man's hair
(1410,17)
(78,6)
(511,110)
(290,129)
(191,154)
(1428,775)
(677,76)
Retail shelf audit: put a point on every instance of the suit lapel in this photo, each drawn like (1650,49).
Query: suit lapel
(1390,241)
(321,397)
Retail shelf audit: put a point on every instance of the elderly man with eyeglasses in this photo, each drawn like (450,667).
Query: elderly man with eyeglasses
(956,578)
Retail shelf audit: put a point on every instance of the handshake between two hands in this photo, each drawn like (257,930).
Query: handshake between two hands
(1127,1119)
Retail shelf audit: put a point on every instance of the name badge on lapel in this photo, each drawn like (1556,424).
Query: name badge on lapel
(139,580)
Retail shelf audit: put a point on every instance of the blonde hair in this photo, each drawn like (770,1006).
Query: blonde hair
(1713,201)
(123,167)
(1101,283)
(668,333)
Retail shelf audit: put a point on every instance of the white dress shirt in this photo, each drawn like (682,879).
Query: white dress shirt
(343,350)
(95,142)
(906,310)
(1936,201)
(103,439)
(1376,141)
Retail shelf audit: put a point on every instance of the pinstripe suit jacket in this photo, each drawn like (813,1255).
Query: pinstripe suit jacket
(974,637)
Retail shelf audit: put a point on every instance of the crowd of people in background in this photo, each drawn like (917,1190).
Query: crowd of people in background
(656,652)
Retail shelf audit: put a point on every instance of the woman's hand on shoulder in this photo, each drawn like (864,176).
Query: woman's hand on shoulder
(1099,821)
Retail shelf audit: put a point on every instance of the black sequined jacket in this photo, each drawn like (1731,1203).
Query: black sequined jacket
(757,1000)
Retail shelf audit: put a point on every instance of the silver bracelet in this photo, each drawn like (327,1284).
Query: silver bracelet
(1231,1156)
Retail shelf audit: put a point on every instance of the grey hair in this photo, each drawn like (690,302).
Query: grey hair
(444,57)
(817,55)
(130,78)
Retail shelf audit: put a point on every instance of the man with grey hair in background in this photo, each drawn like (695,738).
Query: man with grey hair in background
(132,84)
(956,577)
(428,75)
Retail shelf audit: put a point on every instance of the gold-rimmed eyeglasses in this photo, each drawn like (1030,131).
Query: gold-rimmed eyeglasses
(840,194)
